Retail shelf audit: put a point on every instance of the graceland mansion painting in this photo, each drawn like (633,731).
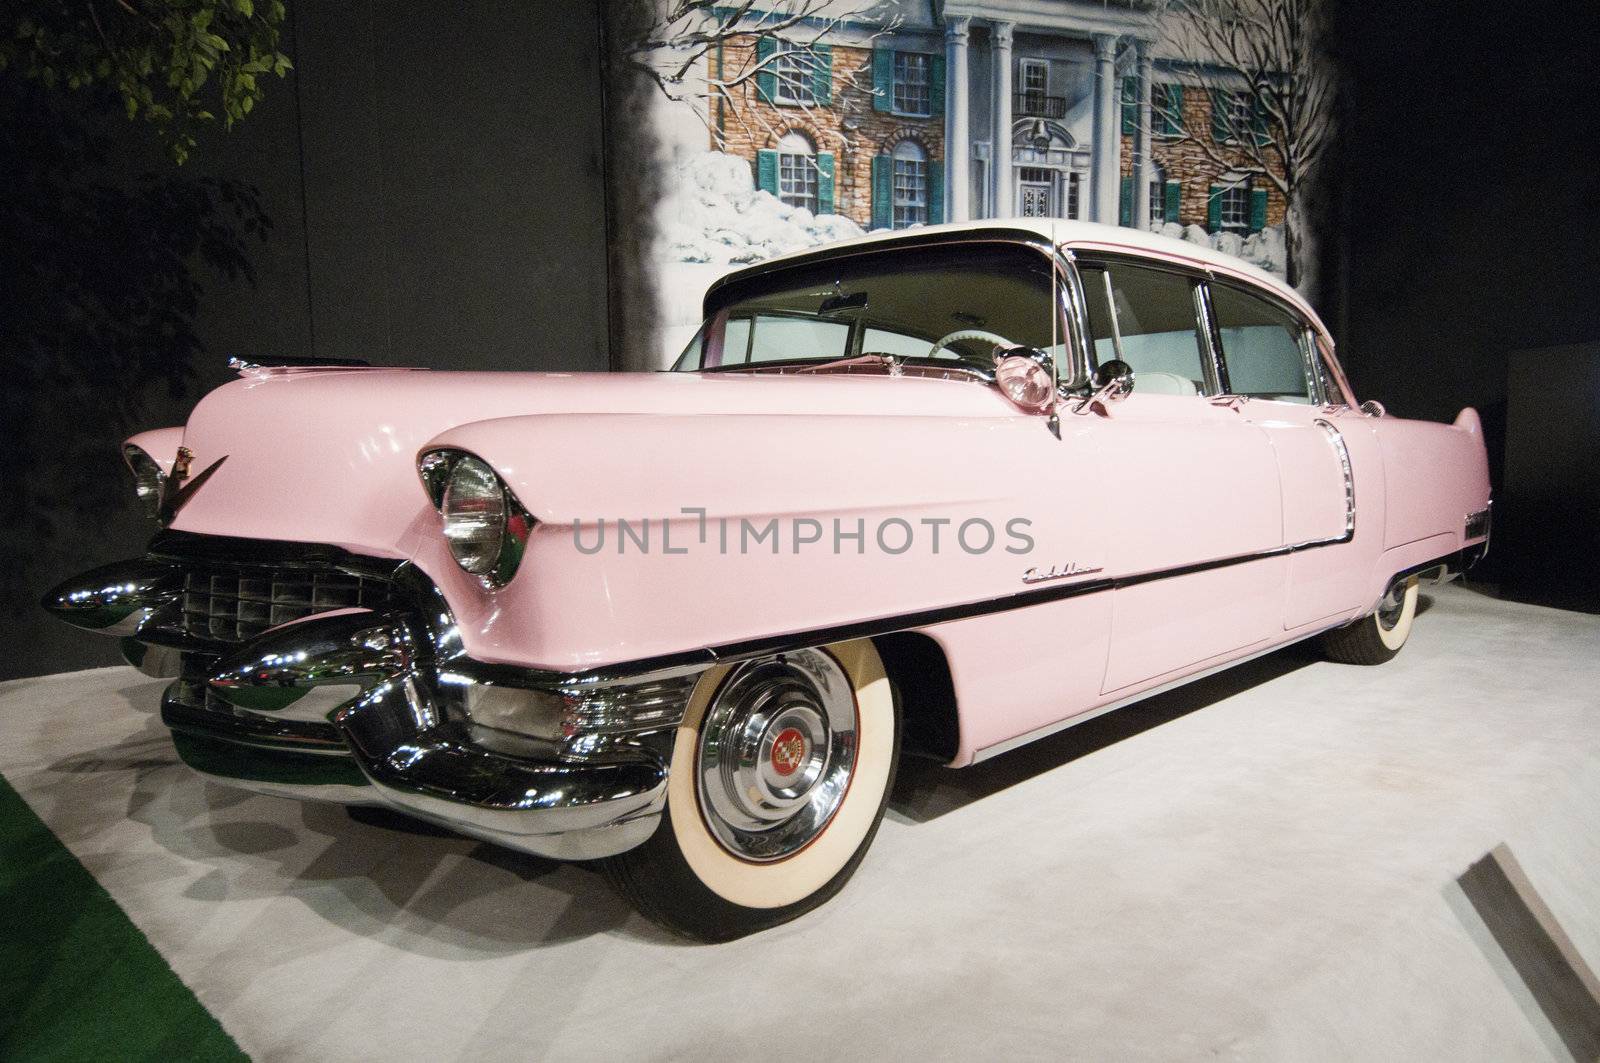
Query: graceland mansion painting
(780,125)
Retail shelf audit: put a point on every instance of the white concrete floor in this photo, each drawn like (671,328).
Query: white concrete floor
(1259,866)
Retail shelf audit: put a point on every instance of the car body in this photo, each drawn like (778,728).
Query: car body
(963,562)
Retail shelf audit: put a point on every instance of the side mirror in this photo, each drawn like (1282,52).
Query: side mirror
(1027,377)
(1373,408)
(1113,381)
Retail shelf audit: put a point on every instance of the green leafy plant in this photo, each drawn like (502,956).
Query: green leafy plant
(176,64)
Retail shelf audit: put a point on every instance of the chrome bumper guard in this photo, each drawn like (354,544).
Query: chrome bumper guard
(362,707)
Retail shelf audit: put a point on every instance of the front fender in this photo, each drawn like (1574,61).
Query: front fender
(982,498)
(161,444)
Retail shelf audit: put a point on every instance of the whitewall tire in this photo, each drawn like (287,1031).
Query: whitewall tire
(781,770)
(1376,638)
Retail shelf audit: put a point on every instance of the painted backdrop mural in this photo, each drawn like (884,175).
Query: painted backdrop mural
(786,124)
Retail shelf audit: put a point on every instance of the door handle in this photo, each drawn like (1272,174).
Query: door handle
(1231,402)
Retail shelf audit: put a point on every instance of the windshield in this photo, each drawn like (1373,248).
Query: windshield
(938,306)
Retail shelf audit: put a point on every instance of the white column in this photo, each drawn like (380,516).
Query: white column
(1000,150)
(957,140)
(1142,163)
(1107,132)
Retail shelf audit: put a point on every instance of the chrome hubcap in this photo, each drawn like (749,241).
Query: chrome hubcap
(1392,606)
(776,751)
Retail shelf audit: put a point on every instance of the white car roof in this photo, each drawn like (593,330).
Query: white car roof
(1085,235)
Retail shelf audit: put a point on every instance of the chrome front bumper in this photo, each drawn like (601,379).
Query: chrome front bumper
(367,707)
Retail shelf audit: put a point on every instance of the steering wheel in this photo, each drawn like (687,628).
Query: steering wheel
(968,334)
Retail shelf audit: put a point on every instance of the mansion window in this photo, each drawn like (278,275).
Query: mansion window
(910,185)
(797,172)
(792,67)
(1232,117)
(1033,95)
(912,85)
(1235,205)
(1158,194)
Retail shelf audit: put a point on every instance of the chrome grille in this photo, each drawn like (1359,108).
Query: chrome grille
(228,604)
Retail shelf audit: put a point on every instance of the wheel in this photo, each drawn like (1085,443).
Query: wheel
(1377,638)
(780,773)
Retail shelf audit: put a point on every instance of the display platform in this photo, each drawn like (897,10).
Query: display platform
(1267,864)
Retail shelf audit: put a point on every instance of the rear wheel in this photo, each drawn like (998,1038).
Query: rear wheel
(1377,638)
(780,773)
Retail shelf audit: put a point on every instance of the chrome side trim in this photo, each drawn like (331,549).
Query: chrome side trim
(1337,439)
(1477,524)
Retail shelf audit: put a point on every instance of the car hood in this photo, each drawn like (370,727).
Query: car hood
(329,455)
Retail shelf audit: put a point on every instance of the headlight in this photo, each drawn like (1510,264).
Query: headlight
(484,525)
(148,479)
(474,512)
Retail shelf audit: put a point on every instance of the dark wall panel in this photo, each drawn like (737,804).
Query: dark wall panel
(456,218)
(1469,192)
(433,177)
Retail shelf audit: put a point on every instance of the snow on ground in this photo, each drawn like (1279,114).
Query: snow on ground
(712,212)
(712,219)
(1265,248)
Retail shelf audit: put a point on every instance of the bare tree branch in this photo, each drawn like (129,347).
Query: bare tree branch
(1266,56)
(671,42)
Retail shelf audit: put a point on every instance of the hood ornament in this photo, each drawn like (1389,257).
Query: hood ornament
(174,492)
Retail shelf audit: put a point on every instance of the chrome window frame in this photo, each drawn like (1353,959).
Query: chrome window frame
(1210,361)
(1295,314)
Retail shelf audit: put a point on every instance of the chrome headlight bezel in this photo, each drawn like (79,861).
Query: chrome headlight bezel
(439,470)
(149,482)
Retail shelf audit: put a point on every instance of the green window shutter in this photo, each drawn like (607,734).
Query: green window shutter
(767,171)
(1220,99)
(822,74)
(882,79)
(824,182)
(882,191)
(1258,209)
(936,85)
(1167,122)
(1130,106)
(1174,200)
(1125,203)
(1214,208)
(766,77)
(935,192)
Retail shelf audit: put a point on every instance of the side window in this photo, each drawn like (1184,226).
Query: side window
(1146,317)
(1261,346)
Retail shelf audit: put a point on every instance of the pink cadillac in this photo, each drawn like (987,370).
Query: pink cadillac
(939,492)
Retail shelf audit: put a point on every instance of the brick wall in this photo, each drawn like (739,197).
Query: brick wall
(1188,163)
(848,126)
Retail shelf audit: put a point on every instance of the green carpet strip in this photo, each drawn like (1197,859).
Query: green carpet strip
(77,979)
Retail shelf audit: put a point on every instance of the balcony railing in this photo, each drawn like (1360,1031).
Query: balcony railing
(1038,105)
